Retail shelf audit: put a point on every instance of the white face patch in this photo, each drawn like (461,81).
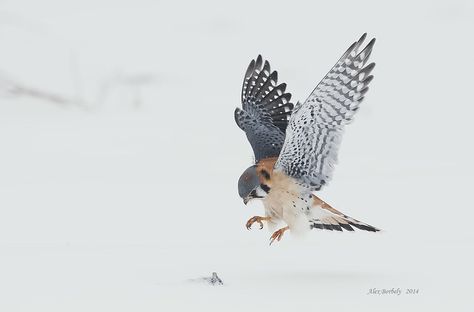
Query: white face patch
(260,192)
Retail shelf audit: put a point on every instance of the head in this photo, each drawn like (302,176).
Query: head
(254,183)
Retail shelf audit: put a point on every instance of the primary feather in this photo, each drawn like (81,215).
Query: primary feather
(266,109)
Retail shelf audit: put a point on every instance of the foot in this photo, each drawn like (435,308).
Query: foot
(256,219)
(278,234)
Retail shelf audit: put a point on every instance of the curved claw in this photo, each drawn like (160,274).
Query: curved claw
(252,220)
(277,235)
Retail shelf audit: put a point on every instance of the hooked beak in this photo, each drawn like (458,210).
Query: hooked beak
(246,200)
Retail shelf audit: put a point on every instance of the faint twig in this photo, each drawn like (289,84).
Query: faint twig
(132,82)
(9,87)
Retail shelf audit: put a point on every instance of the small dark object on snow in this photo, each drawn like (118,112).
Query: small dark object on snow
(214,279)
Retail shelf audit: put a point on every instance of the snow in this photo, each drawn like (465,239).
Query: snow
(115,201)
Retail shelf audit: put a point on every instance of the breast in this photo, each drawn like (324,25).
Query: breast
(284,192)
(273,205)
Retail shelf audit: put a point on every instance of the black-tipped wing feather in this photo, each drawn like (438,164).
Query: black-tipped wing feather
(266,109)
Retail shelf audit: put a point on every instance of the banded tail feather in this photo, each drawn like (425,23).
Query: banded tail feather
(341,223)
(325,217)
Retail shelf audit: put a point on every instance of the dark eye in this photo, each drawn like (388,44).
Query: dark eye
(265,174)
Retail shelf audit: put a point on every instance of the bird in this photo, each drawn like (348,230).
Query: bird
(296,145)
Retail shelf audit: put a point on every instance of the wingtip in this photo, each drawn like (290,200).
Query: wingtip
(362,39)
(237,113)
(370,66)
(274,76)
(259,61)
(371,43)
(250,69)
(368,79)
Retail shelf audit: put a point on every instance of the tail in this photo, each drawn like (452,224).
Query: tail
(325,217)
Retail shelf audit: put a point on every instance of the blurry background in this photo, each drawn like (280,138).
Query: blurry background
(120,157)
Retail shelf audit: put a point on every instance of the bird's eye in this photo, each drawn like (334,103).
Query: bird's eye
(265,174)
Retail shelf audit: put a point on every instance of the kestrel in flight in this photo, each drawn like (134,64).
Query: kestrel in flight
(296,146)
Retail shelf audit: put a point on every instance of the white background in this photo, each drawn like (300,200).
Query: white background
(115,199)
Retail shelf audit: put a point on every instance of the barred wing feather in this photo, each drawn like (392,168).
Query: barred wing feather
(266,109)
(315,128)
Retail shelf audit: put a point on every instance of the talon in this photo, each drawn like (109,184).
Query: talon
(278,234)
(271,240)
(256,219)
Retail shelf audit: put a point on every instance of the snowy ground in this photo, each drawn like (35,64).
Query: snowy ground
(115,203)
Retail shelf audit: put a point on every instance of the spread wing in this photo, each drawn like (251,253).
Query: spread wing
(316,126)
(266,109)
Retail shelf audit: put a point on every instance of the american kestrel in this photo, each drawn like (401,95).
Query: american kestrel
(296,146)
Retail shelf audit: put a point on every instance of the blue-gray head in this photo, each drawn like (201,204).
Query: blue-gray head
(254,183)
